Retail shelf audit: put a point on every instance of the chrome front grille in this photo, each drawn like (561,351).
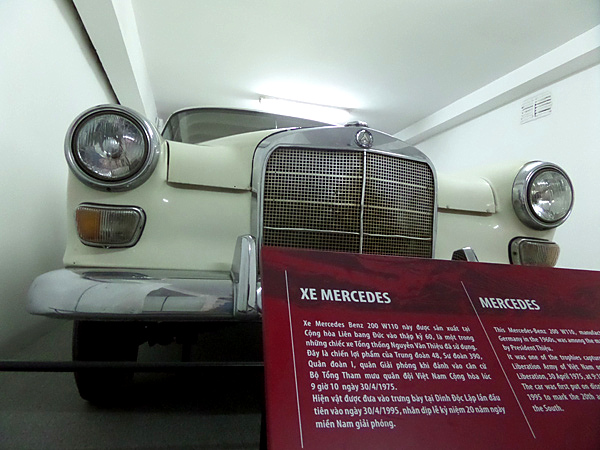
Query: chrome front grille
(348,201)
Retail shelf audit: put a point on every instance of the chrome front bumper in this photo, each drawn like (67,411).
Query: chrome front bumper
(151,295)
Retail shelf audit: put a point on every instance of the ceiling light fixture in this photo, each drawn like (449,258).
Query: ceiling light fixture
(323,113)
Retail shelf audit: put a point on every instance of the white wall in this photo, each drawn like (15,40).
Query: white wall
(48,74)
(570,137)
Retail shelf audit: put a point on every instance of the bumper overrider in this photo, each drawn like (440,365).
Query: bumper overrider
(151,294)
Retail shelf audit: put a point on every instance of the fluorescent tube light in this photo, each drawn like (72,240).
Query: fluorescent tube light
(323,113)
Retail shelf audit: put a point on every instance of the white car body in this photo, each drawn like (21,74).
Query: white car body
(197,258)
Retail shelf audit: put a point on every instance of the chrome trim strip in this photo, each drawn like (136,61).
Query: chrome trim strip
(520,195)
(398,183)
(387,208)
(324,175)
(350,233)
(309,202)
(413,238)
(383,208)
(152,138)
(362,198)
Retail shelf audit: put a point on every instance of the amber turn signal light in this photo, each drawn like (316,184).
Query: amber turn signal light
(109,226)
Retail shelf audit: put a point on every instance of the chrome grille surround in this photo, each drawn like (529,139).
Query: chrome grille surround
(346,199)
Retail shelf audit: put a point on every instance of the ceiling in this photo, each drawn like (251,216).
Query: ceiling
(394,64)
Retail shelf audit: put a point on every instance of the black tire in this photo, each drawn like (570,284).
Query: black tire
(105,341)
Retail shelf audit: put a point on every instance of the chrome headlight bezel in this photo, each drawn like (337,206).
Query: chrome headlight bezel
(152,142)
(521,195)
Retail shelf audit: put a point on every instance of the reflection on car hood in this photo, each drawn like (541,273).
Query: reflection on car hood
(221,163)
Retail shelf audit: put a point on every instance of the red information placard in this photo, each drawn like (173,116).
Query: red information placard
(377,352)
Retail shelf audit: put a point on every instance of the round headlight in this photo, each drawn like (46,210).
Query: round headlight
(112,148)
(542,195)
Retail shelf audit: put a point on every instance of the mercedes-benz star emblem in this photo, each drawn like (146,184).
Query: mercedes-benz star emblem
(364,138)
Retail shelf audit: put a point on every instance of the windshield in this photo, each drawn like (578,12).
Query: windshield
(193,126)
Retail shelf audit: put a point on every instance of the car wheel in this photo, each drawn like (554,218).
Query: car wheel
(105,341)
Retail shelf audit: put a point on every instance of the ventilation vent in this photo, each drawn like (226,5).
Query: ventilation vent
(536,107)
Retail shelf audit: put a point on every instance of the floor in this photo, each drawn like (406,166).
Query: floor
(203,409)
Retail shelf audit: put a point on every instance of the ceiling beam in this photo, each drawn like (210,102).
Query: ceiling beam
(575,55)
(113,31)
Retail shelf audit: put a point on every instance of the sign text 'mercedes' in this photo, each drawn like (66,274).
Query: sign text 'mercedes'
(343,295)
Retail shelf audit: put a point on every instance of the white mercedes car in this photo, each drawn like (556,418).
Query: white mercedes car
(165,231)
